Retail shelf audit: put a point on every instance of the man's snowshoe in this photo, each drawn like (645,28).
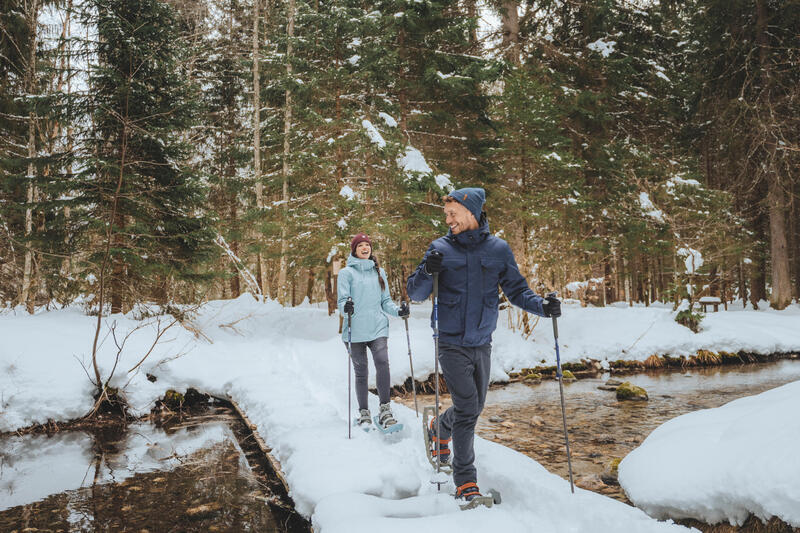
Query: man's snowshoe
(385,421)
(428,432)
(363,420)
(472,496)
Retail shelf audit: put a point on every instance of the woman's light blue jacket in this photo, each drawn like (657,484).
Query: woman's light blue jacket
(359,280)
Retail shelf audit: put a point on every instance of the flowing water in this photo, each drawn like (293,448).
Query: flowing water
(189,476)
(527,418)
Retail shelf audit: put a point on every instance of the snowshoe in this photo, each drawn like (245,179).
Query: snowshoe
(470,493)
(363,420)
(385,421)
(428,432)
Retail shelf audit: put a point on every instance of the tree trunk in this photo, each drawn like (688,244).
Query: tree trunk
(26,296)
(310,284)
(235,285)
(781,294)
(287,130)
(260,270)
(509,16)
(330,293)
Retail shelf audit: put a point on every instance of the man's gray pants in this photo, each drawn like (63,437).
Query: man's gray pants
(380,357)
(466,372)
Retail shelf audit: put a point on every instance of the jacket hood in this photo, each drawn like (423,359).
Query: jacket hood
(360,264)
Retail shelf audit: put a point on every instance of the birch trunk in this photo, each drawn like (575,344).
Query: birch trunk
(26,296)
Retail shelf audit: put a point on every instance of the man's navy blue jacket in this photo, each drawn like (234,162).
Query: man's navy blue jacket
(475,262)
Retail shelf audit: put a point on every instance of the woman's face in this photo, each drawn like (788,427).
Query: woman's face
(363,250)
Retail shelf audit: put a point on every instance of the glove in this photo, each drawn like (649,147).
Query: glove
(434,262)
(551,307)
(404,311)
(348,307)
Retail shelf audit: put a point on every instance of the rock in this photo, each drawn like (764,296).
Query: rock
(592,482)
(607,387)
(604,439)
(566,375)
(495,419)
(609,475)
(508,425)
(533,377)
(502,436)
(537,421)
(613,383)
(628,391)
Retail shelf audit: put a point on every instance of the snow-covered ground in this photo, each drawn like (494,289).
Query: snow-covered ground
(722,464)
(287,368)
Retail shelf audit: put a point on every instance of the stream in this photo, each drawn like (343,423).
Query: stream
(527,418)
(196,474)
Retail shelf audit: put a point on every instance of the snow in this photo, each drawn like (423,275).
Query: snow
(347,192)
(692,259)
(388,119)
(604,48)
(443,181)
(354,59)
(677,180)
(553,155)
(650,209)
(286,368)
(413,163)
(722,464)
(373,133)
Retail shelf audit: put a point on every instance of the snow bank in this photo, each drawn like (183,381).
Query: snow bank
(287,368)
(722,464)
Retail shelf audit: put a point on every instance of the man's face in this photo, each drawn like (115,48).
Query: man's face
(458,218)
(363,250)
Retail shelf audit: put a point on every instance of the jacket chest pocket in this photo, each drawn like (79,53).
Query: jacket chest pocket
(490,278)
(450,314)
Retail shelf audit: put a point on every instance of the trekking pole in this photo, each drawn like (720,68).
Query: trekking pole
(561,390)
(436,365)
(349,361)
(411,364)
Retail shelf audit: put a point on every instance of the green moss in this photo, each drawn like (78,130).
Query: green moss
(173,399)
(613,465)
(533,376)
(628,391)
(567,375)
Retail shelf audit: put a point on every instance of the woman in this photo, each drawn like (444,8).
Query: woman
(365,282)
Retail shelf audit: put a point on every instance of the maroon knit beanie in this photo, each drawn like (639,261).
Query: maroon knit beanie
(358,239)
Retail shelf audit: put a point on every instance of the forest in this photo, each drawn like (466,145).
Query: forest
(180,151)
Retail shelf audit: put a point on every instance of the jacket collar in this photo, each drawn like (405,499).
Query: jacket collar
(473,236)
(360,264)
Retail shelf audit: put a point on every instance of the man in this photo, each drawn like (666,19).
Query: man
(471,262)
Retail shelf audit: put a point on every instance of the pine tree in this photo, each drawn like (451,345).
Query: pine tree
(147,205)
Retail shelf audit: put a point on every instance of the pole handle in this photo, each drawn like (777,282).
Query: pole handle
(555,320)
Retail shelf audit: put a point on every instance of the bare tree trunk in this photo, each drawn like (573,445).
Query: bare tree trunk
(287,130)
(781,295)
(509,16)
(472,12)
(260,267)
(25,296)
(330,293)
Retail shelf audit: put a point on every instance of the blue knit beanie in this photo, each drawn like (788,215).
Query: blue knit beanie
(472,198)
